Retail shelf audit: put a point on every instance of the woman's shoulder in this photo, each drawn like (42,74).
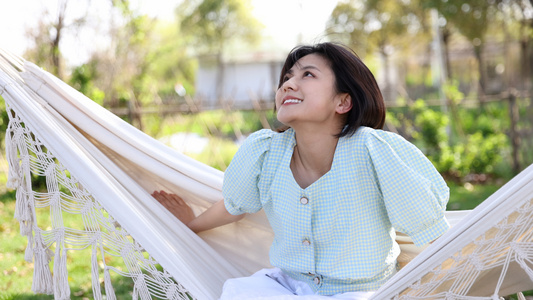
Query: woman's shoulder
(267,137)
(264,141)
(379,138)
(388,147)
(260,136)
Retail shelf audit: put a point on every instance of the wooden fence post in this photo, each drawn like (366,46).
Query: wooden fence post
(515,137)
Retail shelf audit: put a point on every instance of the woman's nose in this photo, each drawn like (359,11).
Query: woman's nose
(290,84)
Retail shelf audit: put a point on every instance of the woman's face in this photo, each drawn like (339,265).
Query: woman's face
(308,94)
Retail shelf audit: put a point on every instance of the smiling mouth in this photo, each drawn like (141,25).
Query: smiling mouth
(291,101)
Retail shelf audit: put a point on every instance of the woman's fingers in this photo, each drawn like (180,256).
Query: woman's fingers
(175,204)
(167,199)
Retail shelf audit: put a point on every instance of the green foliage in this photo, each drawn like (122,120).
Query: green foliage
(432,125)
(171,64)
(470,18)
(479,152)
(369,26)
(216,23)
(452,92)
(82,79)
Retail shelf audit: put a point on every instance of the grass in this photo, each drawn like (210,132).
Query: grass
(468,196)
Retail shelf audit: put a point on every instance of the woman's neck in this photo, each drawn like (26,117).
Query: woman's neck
(312,156)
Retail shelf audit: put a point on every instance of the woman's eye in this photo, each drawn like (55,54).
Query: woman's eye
(285,78)
(306,74)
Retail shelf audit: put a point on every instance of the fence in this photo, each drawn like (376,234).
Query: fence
(261,113)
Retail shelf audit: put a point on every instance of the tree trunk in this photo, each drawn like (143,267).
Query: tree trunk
(478,52)
(56,54)
(220,79)
(388,85)
(526,53)
(446,55)
(514,135)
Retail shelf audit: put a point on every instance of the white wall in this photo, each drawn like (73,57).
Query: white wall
(242,81)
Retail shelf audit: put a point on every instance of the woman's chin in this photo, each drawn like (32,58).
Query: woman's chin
(283,119)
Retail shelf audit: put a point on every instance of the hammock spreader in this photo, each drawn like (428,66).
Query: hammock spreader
(103,169)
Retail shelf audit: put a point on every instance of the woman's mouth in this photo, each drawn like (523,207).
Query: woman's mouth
(291,101)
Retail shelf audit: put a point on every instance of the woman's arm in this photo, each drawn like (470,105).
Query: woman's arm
(215,216)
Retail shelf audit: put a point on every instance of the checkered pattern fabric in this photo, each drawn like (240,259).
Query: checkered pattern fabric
(338,233)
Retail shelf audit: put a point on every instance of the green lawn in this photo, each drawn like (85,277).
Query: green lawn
(464,197)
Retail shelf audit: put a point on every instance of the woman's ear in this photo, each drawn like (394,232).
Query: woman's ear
(345,104)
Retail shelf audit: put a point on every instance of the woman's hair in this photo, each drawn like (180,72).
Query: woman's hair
(351,76)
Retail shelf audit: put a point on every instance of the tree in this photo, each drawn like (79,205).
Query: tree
(48,37)
(378,26)
(140,66)
(172,65)
(471,19)
(216,25)
(521,12)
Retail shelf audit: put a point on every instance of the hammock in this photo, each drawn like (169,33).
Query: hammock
(102,169)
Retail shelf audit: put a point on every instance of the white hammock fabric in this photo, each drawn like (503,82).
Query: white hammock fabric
(103,169)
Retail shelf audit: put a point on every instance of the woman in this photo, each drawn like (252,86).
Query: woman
(333,185)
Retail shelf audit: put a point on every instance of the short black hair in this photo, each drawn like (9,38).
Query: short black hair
(352,76)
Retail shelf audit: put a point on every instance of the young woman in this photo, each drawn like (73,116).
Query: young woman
(333,185)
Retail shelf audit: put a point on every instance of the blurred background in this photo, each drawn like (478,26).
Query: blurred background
(200,75)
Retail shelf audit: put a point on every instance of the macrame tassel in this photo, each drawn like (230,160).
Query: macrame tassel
(13,180)
(23,211)
(28,254)
(26,228)
(61,287)
(109,291)
(135,294)
(42,277)
(97,293)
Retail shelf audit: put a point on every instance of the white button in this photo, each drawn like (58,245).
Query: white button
(304,200)
(306,242)
(317,280)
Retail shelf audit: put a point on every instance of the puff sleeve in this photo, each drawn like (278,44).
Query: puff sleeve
(414,193)
(240,186)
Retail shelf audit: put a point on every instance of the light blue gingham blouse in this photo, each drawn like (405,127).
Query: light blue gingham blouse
(337,234)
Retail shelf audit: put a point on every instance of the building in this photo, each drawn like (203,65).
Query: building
(245,79)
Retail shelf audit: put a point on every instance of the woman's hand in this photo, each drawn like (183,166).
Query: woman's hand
(176,205)
(214,216)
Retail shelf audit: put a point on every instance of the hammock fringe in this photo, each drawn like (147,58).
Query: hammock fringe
(97,293)
(110,292)
(61,287)
(42,277)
